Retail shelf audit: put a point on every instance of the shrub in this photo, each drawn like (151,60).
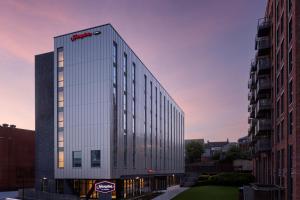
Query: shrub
(231,179)
(203,177)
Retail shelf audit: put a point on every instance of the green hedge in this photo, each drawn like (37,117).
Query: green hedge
(227,179)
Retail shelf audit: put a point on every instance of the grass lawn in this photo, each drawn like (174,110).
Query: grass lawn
(209,193)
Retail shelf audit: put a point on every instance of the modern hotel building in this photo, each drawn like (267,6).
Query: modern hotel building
(274,100)
(102,115)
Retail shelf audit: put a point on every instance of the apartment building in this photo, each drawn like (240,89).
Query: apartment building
(16,158)
(106,118)
(274,103)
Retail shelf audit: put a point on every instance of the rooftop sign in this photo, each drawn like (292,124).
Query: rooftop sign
(84,35)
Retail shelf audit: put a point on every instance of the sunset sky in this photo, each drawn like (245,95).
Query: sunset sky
(200,50)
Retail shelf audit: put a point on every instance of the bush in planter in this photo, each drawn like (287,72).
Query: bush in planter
(231,179)
(203,177)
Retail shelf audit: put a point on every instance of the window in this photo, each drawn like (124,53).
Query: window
(164,132)
(290,60)
(60,186)
(290,123)
(151,124)
(281,129)
(114,53)
(277,108)
(282,76)
(60,99)
(145,119)
(290,5)
(125,107)
(76,157)
(282,166)
(60,55)
(290,90)
(277,62)
(95,158)
(277,12)
(133,113)
(115,105)
(282,51)
(172,132)
(61,159)
(60,79)
(278,133)
(277,85)
(290,30)
(60,139)
(60,116)
(277,167)
(281,24)
(156,135)
(60,105)
(277,37)
(290,156)
(282,103)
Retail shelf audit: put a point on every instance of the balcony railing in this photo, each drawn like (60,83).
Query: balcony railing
(253,66)
(263,85)
(251,96)
(263,105)
(262,145)
(263,27)
(263,43)
(263,126)
(253,122)
(263,65)
(252,110)
(251,129)
(251,82)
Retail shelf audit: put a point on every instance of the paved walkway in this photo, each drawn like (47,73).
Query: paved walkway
(171,192)
(10,194)
(248,193)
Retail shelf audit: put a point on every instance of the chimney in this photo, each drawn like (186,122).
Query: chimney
(5,125)
(12,126)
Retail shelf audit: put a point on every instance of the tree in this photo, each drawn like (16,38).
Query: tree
(194,150)
(235,153)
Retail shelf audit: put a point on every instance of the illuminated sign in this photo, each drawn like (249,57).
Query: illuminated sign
(81,36)
(150,171)
(84,35)
(105,187)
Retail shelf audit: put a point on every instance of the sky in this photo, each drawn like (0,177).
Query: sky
(200,50)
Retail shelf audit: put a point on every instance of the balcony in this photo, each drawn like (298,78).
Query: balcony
(263,105)
(263,126)
(262,45)
(253,122)
(251,82)
(251,129)
(262,145)
(263,65)
(263,27)
(252,110)
(251,96)
(263,86)
(253,66)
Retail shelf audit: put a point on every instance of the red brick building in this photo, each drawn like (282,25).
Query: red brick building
(16,158)
(274,99)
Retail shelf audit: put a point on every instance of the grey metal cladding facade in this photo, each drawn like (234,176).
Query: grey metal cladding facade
(88,111)
(44,120)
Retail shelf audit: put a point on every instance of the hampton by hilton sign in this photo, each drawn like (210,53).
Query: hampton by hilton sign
(105,187)
(84,35)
